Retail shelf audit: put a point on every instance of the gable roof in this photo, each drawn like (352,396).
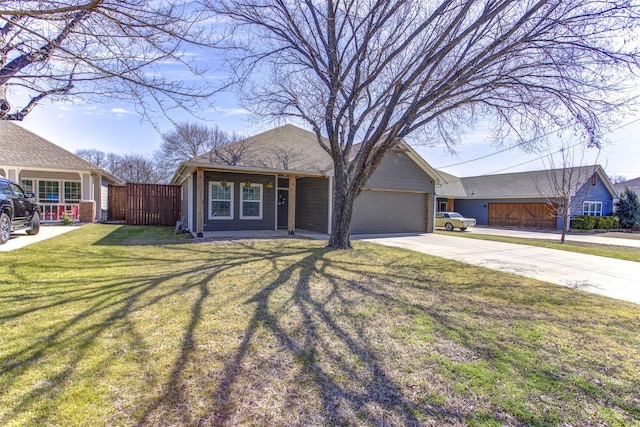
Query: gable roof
(22,148)
(285,149)
(633,184)
(531,184)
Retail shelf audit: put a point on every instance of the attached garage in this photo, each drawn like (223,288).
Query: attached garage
(390,212)
(541,216)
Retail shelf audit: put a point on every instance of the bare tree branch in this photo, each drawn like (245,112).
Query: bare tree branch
(129,50)
(367,73)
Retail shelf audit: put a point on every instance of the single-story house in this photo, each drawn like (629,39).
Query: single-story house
(527,199)
(59,179)
(283,179)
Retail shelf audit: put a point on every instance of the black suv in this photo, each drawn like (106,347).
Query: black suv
(18,211)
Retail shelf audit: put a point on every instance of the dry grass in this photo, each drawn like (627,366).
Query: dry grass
(135,326)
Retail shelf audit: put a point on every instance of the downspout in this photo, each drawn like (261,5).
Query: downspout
(330,210)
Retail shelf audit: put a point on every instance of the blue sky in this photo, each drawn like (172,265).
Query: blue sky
(116,127)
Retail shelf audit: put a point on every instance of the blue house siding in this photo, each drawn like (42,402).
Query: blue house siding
(594,193)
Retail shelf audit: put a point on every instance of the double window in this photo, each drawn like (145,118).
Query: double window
(221,196)
(592,208)
(49,191)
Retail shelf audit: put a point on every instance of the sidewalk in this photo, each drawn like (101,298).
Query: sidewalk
(21,239)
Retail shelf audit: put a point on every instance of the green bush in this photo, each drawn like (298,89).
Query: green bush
(66,219)
(629,209)
(583,222)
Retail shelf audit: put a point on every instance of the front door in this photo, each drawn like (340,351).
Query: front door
(283,208)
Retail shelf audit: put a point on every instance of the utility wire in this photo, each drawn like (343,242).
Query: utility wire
(560,150)
(529,142)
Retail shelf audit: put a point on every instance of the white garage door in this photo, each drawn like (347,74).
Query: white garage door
(389,212)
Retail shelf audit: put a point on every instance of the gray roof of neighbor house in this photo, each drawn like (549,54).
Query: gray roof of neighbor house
(285,149)
(633,184)
(22,148)
(531,184)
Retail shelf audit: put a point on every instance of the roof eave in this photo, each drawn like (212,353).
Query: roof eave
(190,166)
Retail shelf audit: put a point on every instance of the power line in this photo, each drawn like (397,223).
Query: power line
(526,143)
(562,149)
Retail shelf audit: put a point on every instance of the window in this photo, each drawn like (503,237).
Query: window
(592,208)
(442,206)
(72,192)
(48,191)
(251,203)
(221,197)
(27,185)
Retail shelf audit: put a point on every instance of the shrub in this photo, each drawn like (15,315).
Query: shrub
(584,222)
(66,219)
(606,222)
(629,209)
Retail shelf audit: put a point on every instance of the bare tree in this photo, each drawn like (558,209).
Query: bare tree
(189,140)
(132,167)
(136,168)
(617,179)
(97,157)
(566,183)
(378,71)
(123,49)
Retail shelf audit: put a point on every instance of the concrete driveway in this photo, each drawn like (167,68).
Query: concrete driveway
(605,276)
(21,239)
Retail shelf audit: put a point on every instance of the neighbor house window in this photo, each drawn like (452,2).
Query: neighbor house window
(27,185)
(72,192)
(49,191)
(221,197)
(592,208)
(442,206)
(251,202)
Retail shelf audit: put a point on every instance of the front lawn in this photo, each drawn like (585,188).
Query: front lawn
(118,325)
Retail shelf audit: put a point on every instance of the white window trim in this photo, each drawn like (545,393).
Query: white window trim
(63,196)
(211,200)
(599,212)
(242,201)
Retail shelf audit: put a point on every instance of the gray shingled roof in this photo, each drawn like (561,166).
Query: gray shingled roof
(532,184)
(284,148)
(23,148)
(452,186)
(633,184)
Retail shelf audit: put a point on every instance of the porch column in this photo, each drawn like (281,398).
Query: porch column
(450,206)
(292,205)
(199,202)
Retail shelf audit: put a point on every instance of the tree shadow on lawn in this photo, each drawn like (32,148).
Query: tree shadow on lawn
(314,337)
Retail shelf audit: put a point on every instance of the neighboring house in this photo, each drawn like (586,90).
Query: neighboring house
(59,179)
(527,199)
(283,179)
(632,184)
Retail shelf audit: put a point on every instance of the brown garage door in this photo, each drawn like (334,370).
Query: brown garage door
(540,216)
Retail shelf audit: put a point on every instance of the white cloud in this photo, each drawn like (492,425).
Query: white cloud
(120,111)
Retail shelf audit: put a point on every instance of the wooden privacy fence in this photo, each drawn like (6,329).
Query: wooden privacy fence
(144,204)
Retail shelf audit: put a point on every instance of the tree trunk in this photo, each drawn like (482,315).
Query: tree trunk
(341,219)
